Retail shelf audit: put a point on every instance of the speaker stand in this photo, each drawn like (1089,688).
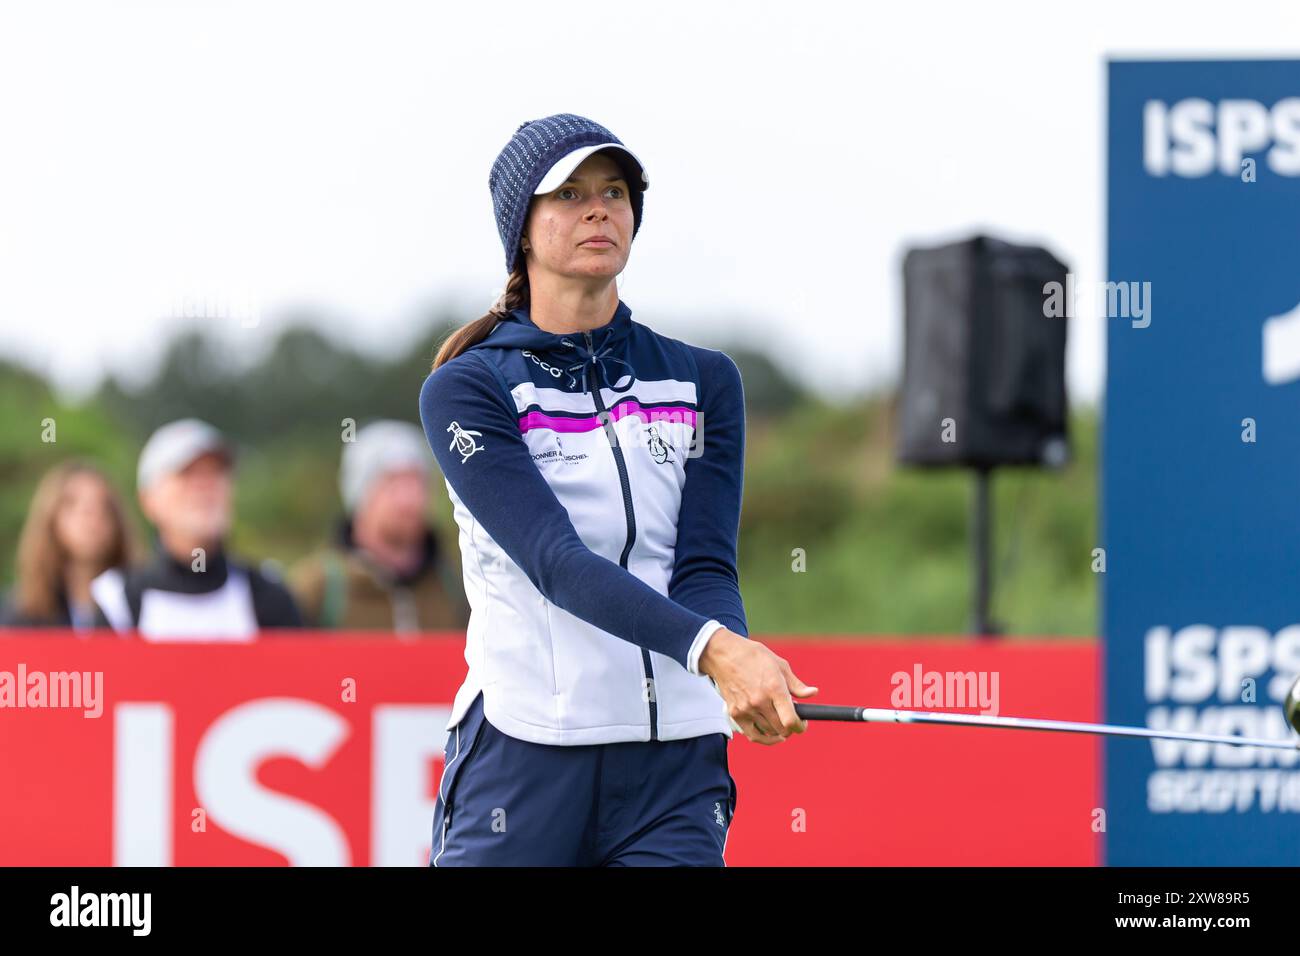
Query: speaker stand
(981,625)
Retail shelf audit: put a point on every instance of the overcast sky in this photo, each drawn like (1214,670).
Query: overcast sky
(273,156)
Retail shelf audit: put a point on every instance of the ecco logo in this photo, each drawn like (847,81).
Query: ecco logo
(1194,136)
(551,369)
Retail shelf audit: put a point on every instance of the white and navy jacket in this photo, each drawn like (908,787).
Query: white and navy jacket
(596,480)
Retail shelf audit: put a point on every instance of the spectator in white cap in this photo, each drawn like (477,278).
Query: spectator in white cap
(191,589)
(383,571)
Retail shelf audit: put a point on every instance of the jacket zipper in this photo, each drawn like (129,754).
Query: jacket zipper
(647,666)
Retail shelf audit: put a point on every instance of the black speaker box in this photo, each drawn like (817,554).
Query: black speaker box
(984,364)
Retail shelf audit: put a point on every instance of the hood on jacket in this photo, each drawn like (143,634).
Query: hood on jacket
(568,351)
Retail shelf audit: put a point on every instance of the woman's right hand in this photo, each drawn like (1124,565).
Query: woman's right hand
(757,686)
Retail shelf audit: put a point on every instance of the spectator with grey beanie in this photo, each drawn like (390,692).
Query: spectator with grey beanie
(384,569)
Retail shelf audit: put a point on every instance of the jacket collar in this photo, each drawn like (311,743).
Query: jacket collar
(609,335)
(568,350)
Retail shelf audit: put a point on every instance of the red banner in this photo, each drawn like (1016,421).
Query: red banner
(327,750)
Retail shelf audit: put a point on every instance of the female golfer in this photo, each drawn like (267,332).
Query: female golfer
(595,469)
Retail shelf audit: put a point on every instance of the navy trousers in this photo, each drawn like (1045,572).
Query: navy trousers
(510,802)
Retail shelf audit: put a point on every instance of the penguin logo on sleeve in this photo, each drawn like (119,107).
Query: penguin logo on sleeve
(463,442)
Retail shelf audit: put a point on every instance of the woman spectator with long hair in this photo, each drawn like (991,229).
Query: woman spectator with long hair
(76,528)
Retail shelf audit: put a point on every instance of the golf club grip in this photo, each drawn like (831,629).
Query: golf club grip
(827,712)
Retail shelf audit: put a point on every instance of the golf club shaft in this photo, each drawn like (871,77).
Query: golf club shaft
(874,715)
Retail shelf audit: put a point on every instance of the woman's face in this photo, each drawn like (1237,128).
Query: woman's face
(86,526)
(584,228)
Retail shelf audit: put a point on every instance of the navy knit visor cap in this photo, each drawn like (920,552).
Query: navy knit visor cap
(566,164)
(540,157)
